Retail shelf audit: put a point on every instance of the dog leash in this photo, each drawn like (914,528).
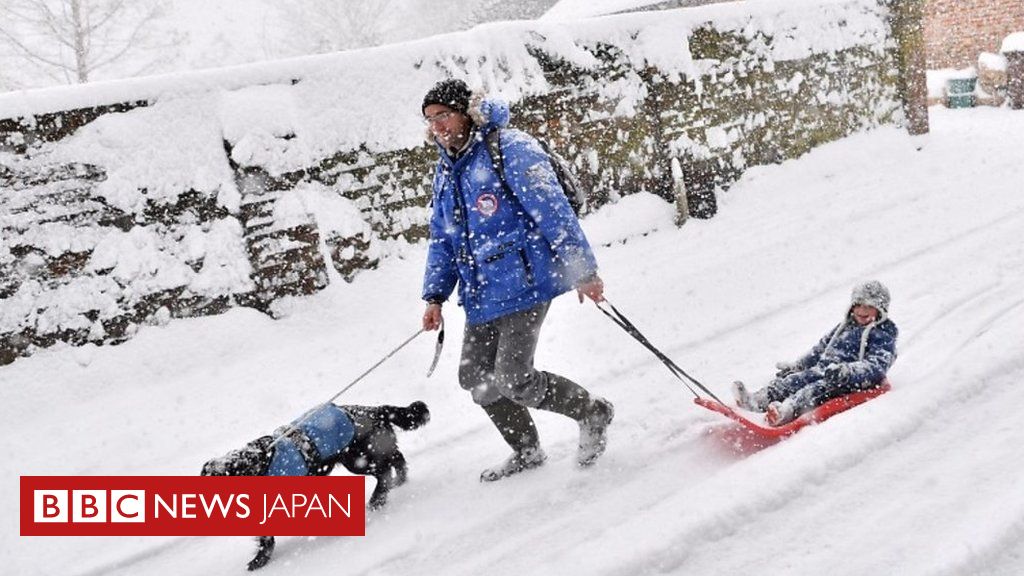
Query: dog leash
(294,426)
(437,349)
(632,330)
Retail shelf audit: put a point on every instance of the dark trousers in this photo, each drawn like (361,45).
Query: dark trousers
(497,369)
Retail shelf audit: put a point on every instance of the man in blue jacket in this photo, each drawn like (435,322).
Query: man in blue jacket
(511,243)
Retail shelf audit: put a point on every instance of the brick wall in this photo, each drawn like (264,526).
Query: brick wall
(957,31)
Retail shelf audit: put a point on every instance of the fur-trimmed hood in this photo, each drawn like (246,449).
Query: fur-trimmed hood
(872,293)
(488,113)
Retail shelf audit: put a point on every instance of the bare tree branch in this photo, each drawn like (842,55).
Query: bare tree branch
(318,26)
(75,38)
(27,51)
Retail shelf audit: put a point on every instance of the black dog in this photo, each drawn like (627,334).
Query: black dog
(371,450)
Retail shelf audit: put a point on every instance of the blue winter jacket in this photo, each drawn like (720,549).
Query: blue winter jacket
(869,351)
(329,428)
(507,248)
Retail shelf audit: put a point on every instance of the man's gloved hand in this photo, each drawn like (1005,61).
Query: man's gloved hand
(787,368)
(837,373)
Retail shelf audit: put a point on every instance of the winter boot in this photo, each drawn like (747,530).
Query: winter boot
(593,414)
(520,461)
(780,413)
(517,428)
(594,431)
(514,423)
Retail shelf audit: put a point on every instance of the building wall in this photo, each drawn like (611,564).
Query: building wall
(957,31)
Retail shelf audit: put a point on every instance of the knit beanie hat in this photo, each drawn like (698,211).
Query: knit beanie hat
(452,93)
(872,293)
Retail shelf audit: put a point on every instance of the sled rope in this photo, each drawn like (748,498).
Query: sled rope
(437,354)
(632,330)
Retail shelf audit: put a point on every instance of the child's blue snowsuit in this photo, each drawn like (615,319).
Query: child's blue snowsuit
(868,351)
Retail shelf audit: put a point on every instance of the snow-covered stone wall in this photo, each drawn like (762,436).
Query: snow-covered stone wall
(138,201)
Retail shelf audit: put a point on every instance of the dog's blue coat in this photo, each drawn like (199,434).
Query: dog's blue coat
(328,427)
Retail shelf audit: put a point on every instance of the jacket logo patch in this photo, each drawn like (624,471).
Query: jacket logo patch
(487,204)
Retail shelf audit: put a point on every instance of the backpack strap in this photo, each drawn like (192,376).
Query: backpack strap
(570,186)
(566,179)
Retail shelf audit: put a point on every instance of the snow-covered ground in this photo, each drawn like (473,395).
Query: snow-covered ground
(928,479)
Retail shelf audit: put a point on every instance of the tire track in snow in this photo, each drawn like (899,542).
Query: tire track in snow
(949,348)
(939,316)
(708,521)
(989,558)
(716,526)
(532,537)
(833,460)
(709,525)
(1013,221)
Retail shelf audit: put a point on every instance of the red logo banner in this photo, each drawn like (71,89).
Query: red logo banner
(193,506)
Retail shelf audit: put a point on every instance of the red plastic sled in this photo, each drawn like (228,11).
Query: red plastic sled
(819,414)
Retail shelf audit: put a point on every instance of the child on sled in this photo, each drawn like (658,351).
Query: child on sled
(855,355)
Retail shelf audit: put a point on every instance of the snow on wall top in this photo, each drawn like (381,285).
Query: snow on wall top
(990,61)
(371,97)
(1013,43)
(184,153)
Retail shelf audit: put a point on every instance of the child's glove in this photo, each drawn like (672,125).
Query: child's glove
(837,373)
(787,368)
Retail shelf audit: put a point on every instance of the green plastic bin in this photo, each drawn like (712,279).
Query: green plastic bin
(960,92)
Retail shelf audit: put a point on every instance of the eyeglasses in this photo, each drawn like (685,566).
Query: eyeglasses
(439,117)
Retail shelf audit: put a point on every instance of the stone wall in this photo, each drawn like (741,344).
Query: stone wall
(753,91)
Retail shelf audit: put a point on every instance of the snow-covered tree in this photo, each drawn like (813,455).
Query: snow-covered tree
(7,82)
(318,26)
(70,40)
(493,10)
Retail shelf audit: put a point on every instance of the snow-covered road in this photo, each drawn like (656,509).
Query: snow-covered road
(928,479)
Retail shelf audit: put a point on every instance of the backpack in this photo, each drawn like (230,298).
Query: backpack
(574,193)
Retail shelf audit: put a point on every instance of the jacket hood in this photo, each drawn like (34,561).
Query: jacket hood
(488,113)
(872,293)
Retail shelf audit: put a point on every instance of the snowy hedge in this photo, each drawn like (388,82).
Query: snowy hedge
(198,191)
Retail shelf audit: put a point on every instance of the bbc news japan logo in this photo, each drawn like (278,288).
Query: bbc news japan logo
(89,506)
(192,506)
